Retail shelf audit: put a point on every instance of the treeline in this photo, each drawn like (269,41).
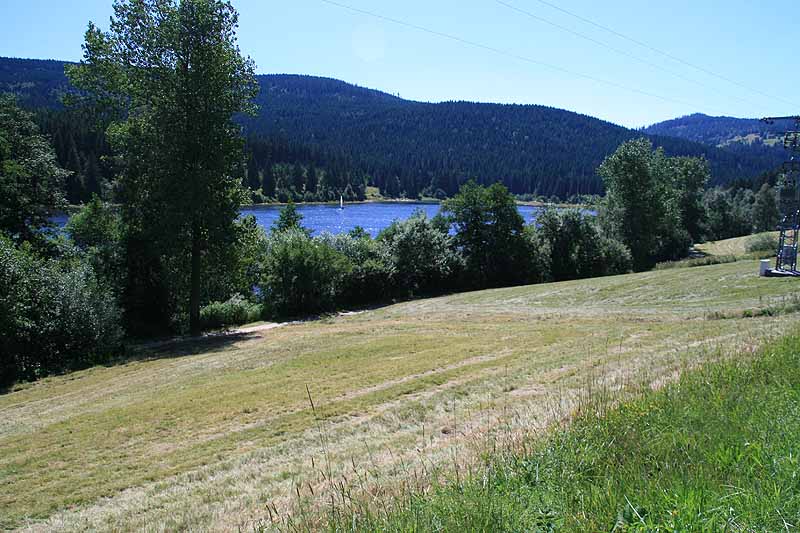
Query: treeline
(716,131)
(69,300)
(411,149)
(283,171)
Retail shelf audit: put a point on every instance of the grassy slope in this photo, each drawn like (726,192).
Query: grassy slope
(717,451)
(204,436)
(737,246)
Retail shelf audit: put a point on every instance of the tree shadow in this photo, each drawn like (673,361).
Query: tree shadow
(180,347)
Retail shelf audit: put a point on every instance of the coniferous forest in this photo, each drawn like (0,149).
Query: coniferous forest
(315,139)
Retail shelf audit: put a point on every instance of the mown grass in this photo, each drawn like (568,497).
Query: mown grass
(205,436)
(740,246)
(717,451)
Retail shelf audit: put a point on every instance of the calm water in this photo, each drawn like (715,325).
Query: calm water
(373,217)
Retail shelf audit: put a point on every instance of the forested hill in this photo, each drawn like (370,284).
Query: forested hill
(408,147)
(719,131)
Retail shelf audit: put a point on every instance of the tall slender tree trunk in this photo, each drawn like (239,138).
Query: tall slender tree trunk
(194,299)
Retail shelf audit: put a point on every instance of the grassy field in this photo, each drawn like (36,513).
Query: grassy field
(716,451)
(206,435)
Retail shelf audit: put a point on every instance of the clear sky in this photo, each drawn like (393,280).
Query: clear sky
(751,43)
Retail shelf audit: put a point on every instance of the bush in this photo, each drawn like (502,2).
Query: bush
(300,274)
(697,262)
(577,247)
(490,236)
(729,214)
(235,311)
(764,242)
(54,315)
(422,255)
(372,275)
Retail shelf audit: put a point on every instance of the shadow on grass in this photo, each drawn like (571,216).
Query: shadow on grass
(181,346)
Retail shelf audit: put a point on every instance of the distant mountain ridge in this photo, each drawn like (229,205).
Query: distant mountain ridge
(719,131)
(407,147)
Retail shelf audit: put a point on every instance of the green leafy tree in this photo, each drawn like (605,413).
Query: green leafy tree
(766,214)
(691,174)
(641,207)
(175,69)
(576,246)
(54,314)
(301,275)
(31,182)
(489,235)
(422,255)
(729,213)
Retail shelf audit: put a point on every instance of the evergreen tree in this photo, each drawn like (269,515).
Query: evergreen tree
(289,218)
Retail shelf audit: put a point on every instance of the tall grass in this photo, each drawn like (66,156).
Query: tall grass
(718,450)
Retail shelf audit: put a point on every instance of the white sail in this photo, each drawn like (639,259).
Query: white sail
(341,202)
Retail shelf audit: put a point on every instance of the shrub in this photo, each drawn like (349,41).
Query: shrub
(235,311)
(372,275)
(577,247)
(697,262)
(300,274)
(422,255)
(54,315)
(764,242)
(489,235)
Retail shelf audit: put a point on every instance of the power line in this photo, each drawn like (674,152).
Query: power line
(663,53)
(511,54)
(622,52)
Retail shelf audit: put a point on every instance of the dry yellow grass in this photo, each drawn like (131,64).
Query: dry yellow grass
(204,436)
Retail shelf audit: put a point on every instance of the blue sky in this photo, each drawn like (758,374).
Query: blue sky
(751,43)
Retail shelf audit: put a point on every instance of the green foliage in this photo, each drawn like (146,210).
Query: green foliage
(643,201)
(763,242)
(489,235)
(176,72)
(729,213)
(31,182)
(97,230)
(690,177)
(300,275)
(422,254)
(54,315)
(235,311)
(96,224)
(698,455)
(288,218)
(372,275)
(698,261)
(576,246)
(766,214)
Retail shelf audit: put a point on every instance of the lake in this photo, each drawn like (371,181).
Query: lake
(373,217)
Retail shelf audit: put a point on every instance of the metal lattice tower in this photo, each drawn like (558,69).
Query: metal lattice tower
(789,195)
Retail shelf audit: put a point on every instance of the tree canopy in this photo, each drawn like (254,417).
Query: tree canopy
(176,72)
(31,182)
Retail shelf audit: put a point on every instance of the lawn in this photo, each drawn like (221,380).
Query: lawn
(205,435)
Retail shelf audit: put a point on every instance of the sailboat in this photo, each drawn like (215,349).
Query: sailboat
(341,202)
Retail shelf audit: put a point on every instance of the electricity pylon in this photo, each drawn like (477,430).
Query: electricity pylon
(789,200)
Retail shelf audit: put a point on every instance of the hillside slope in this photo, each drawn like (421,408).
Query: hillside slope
(203,435)
(408,146)
(721,131)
